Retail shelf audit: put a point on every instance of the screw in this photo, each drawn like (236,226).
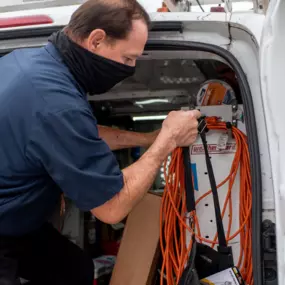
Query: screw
(270,274)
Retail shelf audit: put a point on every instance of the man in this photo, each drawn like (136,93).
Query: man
(50,141)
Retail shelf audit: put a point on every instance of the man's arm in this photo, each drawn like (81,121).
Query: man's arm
(138,178)
(120,139)
(66,144)
(179,129)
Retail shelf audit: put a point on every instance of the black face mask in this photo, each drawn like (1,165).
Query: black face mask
(95,74)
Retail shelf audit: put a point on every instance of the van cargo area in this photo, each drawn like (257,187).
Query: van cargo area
(174,80)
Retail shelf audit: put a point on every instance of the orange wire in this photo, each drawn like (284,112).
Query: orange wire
(173,212)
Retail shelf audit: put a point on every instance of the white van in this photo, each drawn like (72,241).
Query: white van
(183,51)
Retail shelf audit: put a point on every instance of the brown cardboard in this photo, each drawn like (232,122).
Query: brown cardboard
(139,244)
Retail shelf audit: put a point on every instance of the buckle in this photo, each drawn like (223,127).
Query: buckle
(202,125)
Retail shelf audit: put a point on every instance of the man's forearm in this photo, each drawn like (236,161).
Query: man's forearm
(138,179)
(120,139)
(179,129)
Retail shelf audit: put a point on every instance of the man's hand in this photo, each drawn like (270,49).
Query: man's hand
(178,129)
(181,127)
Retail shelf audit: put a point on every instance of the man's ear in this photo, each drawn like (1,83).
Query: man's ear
(95,39)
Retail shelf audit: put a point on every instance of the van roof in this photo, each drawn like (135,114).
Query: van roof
(24,5)
(59,16)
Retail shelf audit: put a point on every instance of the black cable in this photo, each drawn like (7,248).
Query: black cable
(189,189)
(198,2)
(190,275)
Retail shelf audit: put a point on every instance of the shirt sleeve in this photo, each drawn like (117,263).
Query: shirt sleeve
(68,146)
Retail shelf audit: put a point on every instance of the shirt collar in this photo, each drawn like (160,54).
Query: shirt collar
(51,49)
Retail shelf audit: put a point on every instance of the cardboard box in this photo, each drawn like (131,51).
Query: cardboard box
(137,255)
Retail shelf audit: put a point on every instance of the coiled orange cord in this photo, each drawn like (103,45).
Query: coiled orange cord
(173,214)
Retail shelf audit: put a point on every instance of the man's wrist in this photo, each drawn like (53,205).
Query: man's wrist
(166,140)
(163,145)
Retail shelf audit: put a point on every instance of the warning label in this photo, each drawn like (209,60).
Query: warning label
(213,149)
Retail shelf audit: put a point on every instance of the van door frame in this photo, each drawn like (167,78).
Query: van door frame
(250,122)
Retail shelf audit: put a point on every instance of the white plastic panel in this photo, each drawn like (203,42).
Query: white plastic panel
(221,162)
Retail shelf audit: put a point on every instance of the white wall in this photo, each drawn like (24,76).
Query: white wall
(150,5)
(238,6)
(153,5)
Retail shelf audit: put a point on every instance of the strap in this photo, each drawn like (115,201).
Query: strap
(189,189)
(190,274)
(219,221)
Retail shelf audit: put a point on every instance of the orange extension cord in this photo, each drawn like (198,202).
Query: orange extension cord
(175,251)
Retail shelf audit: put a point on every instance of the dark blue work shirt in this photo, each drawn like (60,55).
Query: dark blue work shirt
(49,142)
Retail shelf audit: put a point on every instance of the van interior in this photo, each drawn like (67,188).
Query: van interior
(167,80)
(172,80)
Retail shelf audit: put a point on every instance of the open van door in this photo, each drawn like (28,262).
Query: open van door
(272,62)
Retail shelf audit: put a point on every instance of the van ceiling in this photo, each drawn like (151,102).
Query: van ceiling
(170,83)
(173,77)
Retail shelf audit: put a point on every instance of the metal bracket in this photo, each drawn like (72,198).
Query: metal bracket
(234,119)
